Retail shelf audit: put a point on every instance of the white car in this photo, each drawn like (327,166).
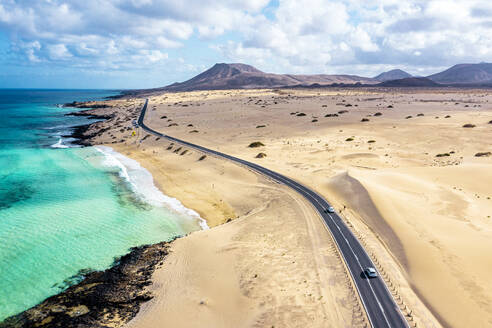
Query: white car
(330,210)
(370,272)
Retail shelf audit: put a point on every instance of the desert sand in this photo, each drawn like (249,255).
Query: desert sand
(398,165)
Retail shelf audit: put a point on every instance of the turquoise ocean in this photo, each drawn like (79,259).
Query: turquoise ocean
(64,209)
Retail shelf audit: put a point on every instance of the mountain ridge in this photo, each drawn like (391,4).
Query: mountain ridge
(394,74)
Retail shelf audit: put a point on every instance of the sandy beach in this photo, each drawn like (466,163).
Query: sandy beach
(407,176)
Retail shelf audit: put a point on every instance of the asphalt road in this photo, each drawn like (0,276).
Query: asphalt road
(380,306)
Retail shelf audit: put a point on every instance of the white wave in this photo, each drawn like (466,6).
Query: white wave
(142,183)
(59,144)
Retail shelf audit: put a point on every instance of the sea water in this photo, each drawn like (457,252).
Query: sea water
(64,209)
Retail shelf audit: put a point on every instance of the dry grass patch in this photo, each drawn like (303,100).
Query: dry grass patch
(256,144)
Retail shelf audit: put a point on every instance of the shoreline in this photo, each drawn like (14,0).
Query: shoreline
(109,297)
(234,274)
(85,302)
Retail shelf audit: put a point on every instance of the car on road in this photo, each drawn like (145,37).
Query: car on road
(330,210)
(370,272)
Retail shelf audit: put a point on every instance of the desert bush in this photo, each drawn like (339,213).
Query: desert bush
(342,111)
(331,115)
(409,116)
(194,131)
(260,126)
(202,157)
(261,155)
(371,141)
(469,125)
(301,114)
(184,152)
(483,154)
(315,120)
(390,106)
(163,117)
(256,144)
(378,114)
(173,124)
(365,120)
(443,155)
(349,139)
(420,114)
(190,125)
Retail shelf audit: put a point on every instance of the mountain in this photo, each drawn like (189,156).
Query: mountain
(242,76)
(394,74)
(465,74)
(409,82)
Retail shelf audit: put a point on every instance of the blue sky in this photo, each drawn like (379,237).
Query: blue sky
(151,43)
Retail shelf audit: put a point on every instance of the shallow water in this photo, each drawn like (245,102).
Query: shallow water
(67,209)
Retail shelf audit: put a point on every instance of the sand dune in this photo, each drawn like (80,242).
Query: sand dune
(407,179)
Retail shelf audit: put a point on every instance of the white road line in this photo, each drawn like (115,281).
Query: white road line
(304,191)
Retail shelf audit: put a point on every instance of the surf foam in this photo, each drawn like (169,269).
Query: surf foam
(142,183)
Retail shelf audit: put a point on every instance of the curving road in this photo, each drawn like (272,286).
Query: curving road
(380,306)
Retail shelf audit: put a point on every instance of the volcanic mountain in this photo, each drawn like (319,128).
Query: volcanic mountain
(394,74)
(241,76)
(465,74)
(421,82)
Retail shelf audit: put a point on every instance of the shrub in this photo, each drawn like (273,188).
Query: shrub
(256,144)
(315,120)
(190,125)
(443,155)
(163,117)
(331,115)
(483,154)
(202,157)
(301,114)
(371,141)
(342,111)
(469,125)
(447,116)
(348,105)
(409,116)
(490,122)
(390,106)
(173,124)
(349,139)
(420,114)
(260,126)
(378,114)
(324,105)
(260,155)
(184,152)
(365,120)
(194,131)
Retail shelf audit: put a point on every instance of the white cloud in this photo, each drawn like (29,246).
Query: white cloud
(319,36)
(59,52)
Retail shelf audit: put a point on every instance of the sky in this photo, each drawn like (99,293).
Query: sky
(121,44)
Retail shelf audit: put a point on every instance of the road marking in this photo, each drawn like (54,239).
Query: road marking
(309,194)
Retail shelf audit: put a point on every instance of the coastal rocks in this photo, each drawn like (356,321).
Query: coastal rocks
(90,105)
(107,298)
